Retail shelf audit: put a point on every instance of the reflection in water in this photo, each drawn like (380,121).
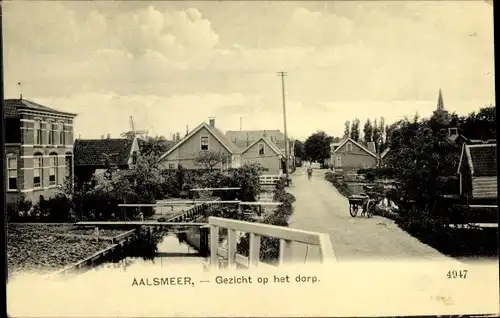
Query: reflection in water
(157,249)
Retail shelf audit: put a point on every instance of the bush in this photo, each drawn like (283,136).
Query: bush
(269,251)
(18,211)
(340,186)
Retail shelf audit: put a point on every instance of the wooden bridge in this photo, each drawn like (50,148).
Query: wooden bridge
(210,240)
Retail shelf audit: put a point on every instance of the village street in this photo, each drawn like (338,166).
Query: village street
(320,207)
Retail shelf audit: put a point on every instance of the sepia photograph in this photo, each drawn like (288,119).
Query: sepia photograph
(164,157)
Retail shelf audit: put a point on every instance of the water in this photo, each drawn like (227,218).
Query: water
(171,250)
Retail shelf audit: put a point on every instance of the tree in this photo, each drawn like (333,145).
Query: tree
(423,162)
(299,149)
(382,132)
(317,147)
(368,131)
(209,159)
(347,129)
(109,165)
(481,125)
(355,133)
(154,145)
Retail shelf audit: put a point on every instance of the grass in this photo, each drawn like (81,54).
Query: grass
(36,247)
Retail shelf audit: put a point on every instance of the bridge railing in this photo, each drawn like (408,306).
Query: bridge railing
(256,231)
(269,179)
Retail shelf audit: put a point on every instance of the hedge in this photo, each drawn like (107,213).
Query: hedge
(270,247)
(341,186)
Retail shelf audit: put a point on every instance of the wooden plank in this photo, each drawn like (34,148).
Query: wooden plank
(137,223)
(254,251)
(326,249)
(81,263)
(232,241)
(120,237)
(214,245)
(480,206)
(267,230)
(262,203)
(285,255)
(490,225)
(215,189)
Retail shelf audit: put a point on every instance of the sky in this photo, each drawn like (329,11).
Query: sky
(172,65)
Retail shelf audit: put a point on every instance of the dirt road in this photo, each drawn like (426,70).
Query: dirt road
(320,207)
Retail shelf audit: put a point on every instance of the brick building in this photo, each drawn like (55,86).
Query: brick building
(38,149)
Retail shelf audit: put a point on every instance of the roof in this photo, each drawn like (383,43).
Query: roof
(356,143)
(219,135)
(481,158)
(91,152)
(240,137)
(254,134)
(271,144)
(12,107)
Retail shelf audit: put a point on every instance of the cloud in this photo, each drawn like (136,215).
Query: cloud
(175,63)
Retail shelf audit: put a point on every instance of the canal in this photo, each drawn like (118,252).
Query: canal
(163,250)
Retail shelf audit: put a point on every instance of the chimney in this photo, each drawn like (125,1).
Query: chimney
(212,121)
(265,134)
(178,136)
(187,130)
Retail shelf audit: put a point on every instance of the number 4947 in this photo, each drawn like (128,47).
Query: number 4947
(455,274)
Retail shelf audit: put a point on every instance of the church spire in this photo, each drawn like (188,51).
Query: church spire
(440,105)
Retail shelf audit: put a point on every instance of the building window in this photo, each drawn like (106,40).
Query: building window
(51,133)
(63,135)
(37,132)
(171,166)
(134,157)
(37,171)
(54,133)
(204,143)
(339,161)
(349,146)
(53,169)
(12,172)
(261,149)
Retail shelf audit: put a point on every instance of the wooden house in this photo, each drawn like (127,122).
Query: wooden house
(91,155)
(477,172)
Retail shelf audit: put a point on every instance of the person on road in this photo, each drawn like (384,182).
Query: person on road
(309,172)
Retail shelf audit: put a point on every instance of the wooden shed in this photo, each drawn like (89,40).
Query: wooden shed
(478,173)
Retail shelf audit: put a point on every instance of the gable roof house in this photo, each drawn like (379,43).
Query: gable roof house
(204,138)
(478,173)
(91,155)
(350,155)
(243,138)
(266,153)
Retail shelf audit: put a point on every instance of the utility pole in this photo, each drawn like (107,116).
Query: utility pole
(282,75)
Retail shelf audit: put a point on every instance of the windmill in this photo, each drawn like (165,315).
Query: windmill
(134,133)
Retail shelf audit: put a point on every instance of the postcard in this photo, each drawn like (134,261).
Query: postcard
(250,158)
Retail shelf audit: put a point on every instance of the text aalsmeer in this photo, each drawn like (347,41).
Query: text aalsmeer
(162,281)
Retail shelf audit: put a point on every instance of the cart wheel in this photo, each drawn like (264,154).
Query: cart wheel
(353,210)
(370,207)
